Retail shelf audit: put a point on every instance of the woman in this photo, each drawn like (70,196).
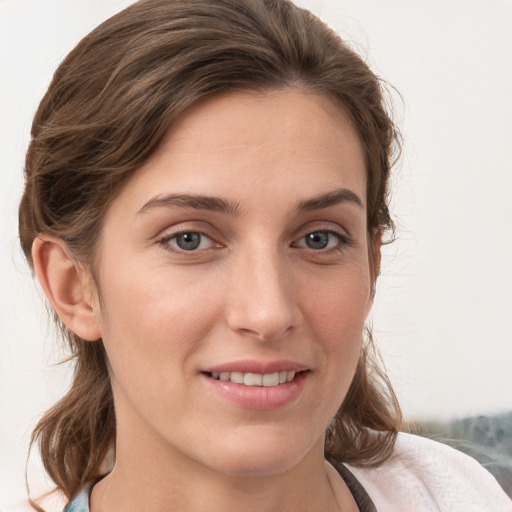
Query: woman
(205,201)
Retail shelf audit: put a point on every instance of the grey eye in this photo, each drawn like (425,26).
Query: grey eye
(188,241)
(317,239)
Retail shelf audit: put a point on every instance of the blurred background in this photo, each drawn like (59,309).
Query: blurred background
(443,310)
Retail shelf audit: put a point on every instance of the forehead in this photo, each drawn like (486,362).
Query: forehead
(286,143)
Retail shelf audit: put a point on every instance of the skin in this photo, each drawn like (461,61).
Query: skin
(252,290)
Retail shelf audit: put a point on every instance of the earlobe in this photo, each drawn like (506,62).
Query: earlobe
(66,285)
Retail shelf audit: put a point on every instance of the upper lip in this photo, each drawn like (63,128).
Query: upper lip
(260,367)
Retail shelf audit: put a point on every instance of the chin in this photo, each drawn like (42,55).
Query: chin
(263,455)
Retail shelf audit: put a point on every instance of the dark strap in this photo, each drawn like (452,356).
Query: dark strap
(363,501)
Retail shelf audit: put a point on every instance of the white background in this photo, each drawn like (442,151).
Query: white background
(443,314)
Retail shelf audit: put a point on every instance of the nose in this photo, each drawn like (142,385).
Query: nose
(263,300)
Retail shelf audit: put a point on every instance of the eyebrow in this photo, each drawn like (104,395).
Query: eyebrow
(220,205)
(332,198)
(195,202)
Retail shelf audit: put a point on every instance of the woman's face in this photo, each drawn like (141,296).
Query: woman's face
(234,284)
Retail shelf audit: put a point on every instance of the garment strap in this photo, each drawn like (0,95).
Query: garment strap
(363,501)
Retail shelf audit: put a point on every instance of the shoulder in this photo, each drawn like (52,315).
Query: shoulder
(424,476)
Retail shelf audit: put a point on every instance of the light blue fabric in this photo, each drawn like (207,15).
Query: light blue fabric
(81,501)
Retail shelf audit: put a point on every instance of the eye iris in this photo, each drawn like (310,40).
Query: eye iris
(317,240)
(188,241)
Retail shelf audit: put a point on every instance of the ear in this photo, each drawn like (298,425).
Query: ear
(67,285)
(375,257)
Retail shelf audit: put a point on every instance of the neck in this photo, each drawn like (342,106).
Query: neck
(173,482)
(152,474)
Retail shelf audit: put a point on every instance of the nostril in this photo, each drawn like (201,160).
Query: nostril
(266,310)
(267,335)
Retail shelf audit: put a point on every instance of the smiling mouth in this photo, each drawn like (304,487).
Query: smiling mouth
(255,379)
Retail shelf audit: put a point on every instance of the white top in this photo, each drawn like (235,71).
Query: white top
(427,476)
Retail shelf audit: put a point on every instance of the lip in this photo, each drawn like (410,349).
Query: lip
(261,367)
(258,398)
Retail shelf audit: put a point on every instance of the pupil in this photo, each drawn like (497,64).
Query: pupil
(317,240)
(188,241)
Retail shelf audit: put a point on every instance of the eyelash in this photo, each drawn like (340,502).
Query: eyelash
(343,242)
(165,241)
(342,239)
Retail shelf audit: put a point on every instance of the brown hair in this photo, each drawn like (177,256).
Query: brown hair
(110,103)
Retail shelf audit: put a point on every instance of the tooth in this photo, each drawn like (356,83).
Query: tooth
(255,379)
(252,379)
(237,377)
(270,379)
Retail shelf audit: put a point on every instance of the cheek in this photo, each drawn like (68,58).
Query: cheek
(339,303)
(150,314)
(337,312)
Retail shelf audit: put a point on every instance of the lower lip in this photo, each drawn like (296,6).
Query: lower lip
(260,398)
